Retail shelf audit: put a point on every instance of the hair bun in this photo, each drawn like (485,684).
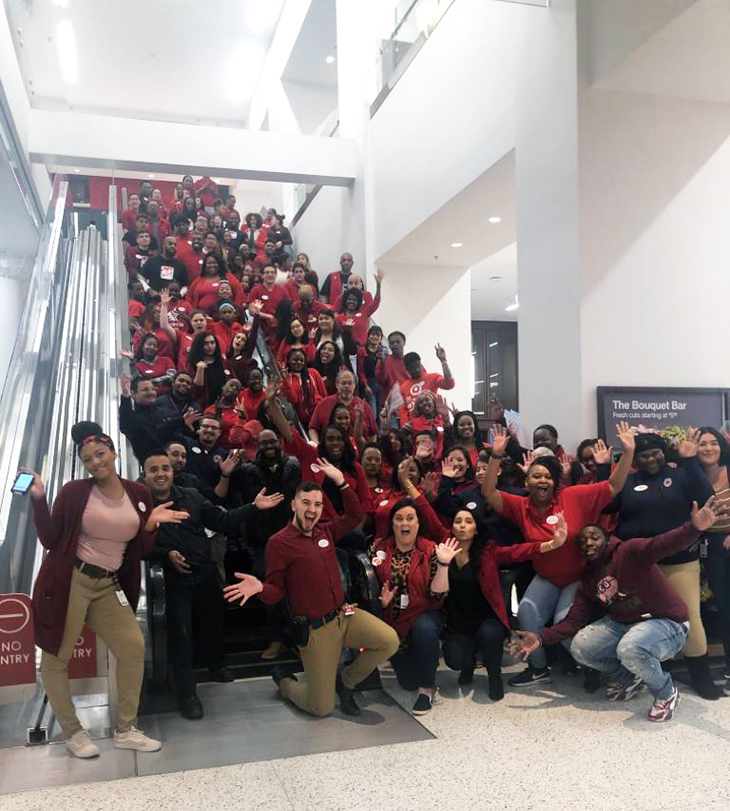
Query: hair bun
(84,429)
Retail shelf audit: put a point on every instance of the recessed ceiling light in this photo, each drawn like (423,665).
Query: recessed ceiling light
(495,278)
(77,170)
(510,307)
(150,175)
(457,244)
(329,59)
(494,220)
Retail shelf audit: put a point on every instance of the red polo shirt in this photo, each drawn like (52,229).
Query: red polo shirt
(390,371)
(323,412)
(304,568)
(581,505)
(308,317)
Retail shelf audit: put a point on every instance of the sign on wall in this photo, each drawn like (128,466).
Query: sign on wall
(659,408)
(17,644)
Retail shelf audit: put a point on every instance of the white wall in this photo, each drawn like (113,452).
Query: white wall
(449,118)
(431,307)
(655,242)
(319,232)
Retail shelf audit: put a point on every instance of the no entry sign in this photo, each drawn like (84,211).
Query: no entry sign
(17,647)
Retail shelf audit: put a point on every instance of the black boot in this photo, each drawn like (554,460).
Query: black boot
(591,680)
(496,685)
(347,699)
(700,677)
(191,708)
(466,677)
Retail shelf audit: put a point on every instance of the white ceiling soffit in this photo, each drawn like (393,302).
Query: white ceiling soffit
(494,286)
(465,219)
(316,41)
(688,58)
(168,60)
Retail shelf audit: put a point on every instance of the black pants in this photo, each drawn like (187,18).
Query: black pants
(416,664)
(194,621)
(460,649)
(717,566)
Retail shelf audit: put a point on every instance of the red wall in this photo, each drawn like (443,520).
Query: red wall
(99,190)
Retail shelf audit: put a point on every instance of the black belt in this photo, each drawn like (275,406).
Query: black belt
(95,572)
(325,619)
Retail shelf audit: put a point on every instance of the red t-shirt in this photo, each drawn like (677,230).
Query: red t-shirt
(358,322)
(308,317)
(250,401)
(135,309)
(323,412)
(193,264)
(390,371)
(164,343)
(224,333)
(129,219)
(270,300)
(581,505)
(410,389)
(150,371)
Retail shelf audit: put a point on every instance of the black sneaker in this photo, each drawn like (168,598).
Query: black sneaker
(191,708)
(348,705)
(466,677)
(530,676)
(423,704)
(591,680)
(221,674)
(726,688)
(280,672)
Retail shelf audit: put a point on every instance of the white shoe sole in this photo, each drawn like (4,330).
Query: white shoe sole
(81,756)
(137,748)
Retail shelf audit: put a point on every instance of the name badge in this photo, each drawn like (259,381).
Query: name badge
(472,505)
(641,487)
(403,601)
(380,554)
(142,507)
(376,561)
(265,297)
(667,482)
(166,272)
(323,543)
(378,490)
(196,449)
(122,597)
(383,503)
(551,519)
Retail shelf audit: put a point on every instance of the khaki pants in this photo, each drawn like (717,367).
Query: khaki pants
(684,578)
(315,691)
(95,603)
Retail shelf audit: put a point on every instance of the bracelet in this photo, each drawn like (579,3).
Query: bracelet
(496,455)
(445,565)
(343,485)
(224,476)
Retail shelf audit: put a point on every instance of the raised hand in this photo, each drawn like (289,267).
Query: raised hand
(178,561)
(526,645)
(440,353)
(330,471)
(447,469)
(429,485)
(255,307)
(689,446)
(272,389)
(379,276)
(126,353)
(165,297)
(626,436)
(162,514)
(442,409)
(264,502)
(560,532)
(230,463)
(446,551)
(386,594)
(704,517)
(126,384)
(602,454)
(190,417)
(500,439)
(527,459)
(567,464)
(403,472)
(247,588)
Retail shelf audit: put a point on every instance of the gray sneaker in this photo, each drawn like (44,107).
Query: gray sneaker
(81,745)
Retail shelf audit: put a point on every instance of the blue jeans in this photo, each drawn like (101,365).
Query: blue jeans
(416,664)
(623,651)
(543,601)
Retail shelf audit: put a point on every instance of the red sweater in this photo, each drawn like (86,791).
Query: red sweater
(627,585)
(58,531)
(150,371)
(292,389)
(304,568)
(323,413)
(410,389)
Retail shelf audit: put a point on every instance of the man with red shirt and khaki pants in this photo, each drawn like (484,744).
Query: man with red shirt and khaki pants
(301,566)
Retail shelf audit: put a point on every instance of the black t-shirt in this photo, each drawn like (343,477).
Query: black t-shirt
(160,271)
(466,605)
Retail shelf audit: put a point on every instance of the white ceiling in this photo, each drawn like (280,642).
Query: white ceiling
(317,40)
(180,60)
(464,219)
(490,295)
(688,58)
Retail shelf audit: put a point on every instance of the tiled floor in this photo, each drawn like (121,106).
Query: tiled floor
(553,747)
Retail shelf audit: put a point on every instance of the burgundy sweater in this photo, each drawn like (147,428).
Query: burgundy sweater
(627,585)
(58,531)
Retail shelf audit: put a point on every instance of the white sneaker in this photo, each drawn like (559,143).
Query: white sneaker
(81,745)
(134,739)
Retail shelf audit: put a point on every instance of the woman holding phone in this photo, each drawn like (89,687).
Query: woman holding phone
(95,535)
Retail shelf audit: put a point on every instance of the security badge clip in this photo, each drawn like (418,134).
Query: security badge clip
(349,609)
(403,601)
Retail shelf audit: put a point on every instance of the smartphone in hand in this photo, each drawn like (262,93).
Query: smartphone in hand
(22,483)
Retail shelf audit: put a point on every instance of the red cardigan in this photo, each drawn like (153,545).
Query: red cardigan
(59,531)
(418,580)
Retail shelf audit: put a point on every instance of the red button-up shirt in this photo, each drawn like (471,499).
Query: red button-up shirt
(581,505)
(304,568)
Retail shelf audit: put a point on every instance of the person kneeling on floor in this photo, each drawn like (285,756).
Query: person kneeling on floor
(302,567)
(645,620)
(191,576)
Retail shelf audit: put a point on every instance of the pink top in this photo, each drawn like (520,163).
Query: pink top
(107,526)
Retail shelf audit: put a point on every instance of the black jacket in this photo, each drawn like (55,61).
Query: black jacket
(189,537)
(148,427)
(248,480)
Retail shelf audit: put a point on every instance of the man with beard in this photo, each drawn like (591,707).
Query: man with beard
(274,472)
(302,567)
(193,598)
(161,270)
(193,258)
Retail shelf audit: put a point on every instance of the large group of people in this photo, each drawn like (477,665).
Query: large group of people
(279,430)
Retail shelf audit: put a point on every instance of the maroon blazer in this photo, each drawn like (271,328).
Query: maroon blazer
(492,557)
(59,531)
